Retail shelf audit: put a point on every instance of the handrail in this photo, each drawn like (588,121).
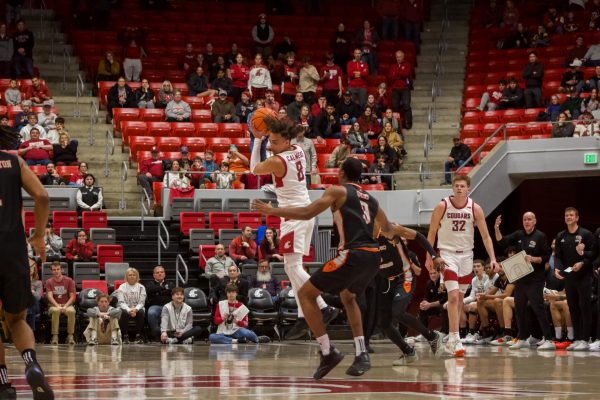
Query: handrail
(94,118)
(161,243)
(109,149)
(124,173)
(51,58)
(79,88)
(145,209)
(66,63)
(180,260)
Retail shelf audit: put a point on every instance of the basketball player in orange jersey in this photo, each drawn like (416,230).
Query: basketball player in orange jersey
(288,167)
(453,221)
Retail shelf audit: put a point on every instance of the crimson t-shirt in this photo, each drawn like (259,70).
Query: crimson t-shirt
(330,75)
(36,153)
(61,290)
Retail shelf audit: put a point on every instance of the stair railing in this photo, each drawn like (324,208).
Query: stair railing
(109,150)
(79,88)
(124,173)
(94,118)
(179,261)
(145,206)
(162,244)
(66,63)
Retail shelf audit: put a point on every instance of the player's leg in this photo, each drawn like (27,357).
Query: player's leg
(535,294)
(566,315)
(361,362)
(6,389)
(557,319)
(388,324)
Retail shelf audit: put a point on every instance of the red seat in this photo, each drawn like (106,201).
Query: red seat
(100,285)
(376,186)
(322,159)
(29,221)
(64,219)
(242,143)
(152,114)
(514,130)
(159,128)
(471,130)
(272,221)
(220,220)
(191,220)
(251,219)
(197,103)
(513,115)
(531,114)
(39,170)
(217,144)
(464,171)
(319,147)
(205,251)
(108,253)
(103,88)
(94,219)
(491,143)
(488,129)
(169,143)
(210,185)
(329,175)
(117,283)
(201,116)
(517,137)
(124,114)
(532,128)
(157,192)
(133,128)
(183,129)
(140,143)
(66,171)
(207,129)
(471,117)
(194,143)
(473,143)
(542,136)
(231,130)
(331,144)
(472,103)
(491,117)
(237,185)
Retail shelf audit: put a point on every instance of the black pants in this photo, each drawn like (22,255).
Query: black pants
(367,302)
(287,98)
(236,93)
(146,183)
(532,292)
(579,299)
(139,322)
(401,103)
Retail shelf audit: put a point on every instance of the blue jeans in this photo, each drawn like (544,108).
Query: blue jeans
(448,169)
(37,162)
(32,312)
(242,334)
(154,313)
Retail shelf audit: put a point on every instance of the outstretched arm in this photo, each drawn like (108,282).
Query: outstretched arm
(303,213)
(485,235)
(411,234)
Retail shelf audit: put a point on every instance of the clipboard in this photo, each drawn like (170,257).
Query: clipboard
(516,267)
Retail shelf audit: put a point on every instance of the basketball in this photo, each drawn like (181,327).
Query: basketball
(258,126)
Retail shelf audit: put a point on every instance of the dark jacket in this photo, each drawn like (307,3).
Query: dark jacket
(352,109)
(460,152)
(217,290)
(197,84)
(222,83)
(140,95)
(49,180)
(158,294)
(113,96)
(533,75)
(514,97)
(24,40)
(66,155)
(322,124)
(271,286)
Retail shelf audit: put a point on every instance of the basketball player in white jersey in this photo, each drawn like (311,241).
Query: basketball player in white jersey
(288,167)
(453,221)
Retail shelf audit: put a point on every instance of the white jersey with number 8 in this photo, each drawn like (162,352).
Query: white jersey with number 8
(291,189)
(457,226)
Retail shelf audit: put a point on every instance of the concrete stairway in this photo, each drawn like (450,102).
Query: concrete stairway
(447,104)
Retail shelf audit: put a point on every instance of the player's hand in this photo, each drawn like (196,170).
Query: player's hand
(439,264)
(39,245)
(429,263)
(577,266)
(498,221)
(262,207)
(558,275)
(495,265)
(164,337)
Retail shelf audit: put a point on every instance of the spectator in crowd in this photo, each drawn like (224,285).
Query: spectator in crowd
(382,99)
(198,62)
(432,305)
(231,316)
(327,125)
(233,276)
(109,69)
(245,107)
(60,292)
(80,248)
(309,78)
(572,105)
(230,57)
(512,97)
(493,301)
(339,154)
(310,153)
(132,40)
(131,297)
(196,178)
(412,19)
(319,106)
(54,244)
(23,43)
(348,109)
(283,48)
(371,103)
(198,84)
(35,151)
(77,179)
(158,293)
(59,125)
(238,163)
(586,126)
(563,128)
(390,11)
(331,80)
(533,74)
(592,103)
(211,59)
(222,81)
(65,152)
(21,119)
(259,79)
(290,73)
(380,171)
(459,154)
(223,110)
(176,177)
(540,38)
(517,39)
(32,123)
(178,110)
(553,21)
(12,94)
(572,80)
(165,95)
(367,39)
(269,246)
(265,280)
(176,325)
(220,66)
(553,109)
(36,290)
(6,52)
(47,119)
(510,16)
(577,52)
(305,120)
(263,35)
(357,78)
(239,73)
(52,177)
(561,317)
(38,92)
(223,177)
(218,265)
(242,249)
(592,56)
(187,59)
(395,141)
(209,165)
(270,101)
(479,285)
(119,96)
(294,108)
(103,327)
(369,124)
(490,100)
(185,163)
(89,196)
(358,139)
(383,149)
(144,95)
(341,43)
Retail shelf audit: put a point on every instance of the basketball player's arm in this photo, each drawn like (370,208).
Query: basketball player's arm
(434,225)
(329,198)
(411,234)
(33,186)
(272,165)
(485,235)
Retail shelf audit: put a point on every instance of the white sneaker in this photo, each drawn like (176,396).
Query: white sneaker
(467,339)
(454,348)
(546,345)
(484,341)
(410,341)
(473,338)
(582,346)
(420,338)
(572,346)
(406,359)
(502,341)
(519,344)
(444,337)
(171,340)
(595,346)
(533,341)
(188,341)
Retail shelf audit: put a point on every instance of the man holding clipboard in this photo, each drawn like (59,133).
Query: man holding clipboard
(529,288)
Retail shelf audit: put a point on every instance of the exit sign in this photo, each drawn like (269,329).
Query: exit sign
(590,158)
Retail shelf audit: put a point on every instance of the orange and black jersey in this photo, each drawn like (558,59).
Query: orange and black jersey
(11,200)
(355,219)
(395,260)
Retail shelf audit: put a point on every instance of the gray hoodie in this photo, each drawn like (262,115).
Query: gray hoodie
(113,312)
(172,321)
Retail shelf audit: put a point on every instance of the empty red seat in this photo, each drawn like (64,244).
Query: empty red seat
(39,170)
(140,143)
(152,114)
(329,175)
(207,129)
(473,142)
(231,130)
(159,128)
(472,103)
(533,128)
(272,221)
(168,143)
(197,103)
(100,285)
(513,130)
(488,129)
(471,131)
(117,283)
(183,129)
(124,114)
(490,117)
(332,144)
(29,221)
(471,117)
(64,219)
(133,128)
(194,144)
(531,114)
(220,220)
(491,143)
(251,219)
(157,193)
(94,219)
(243,144)
(108,253)
(375,186)
(515,115)
(201,116)
(191,220)
(217,144)
(66,171)
(205,251)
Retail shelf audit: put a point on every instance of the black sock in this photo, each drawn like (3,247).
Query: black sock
(483,332)
(472,331)
(462,332)
(29,357)
(3,375)
(431,335)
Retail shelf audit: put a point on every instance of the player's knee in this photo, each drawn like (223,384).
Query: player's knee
(498,302)
(347,297)
(11,318)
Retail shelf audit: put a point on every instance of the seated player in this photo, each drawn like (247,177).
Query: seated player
(479,285)
(176,321)
(103,327)
(561,316)
(492,301)
(431,305)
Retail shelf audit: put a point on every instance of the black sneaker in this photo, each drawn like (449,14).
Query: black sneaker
(125,339)
(328,362)
(298,331)
(37,381)
(264,339)
(361,364)
(437,344)
(329,314)
(7,392)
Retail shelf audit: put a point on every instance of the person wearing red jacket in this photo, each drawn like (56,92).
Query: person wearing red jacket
(80,248)
(400,76)
(239,73)
(38,92)
(151,170)
(358,71)
(243,249)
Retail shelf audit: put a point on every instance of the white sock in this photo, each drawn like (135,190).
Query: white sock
(114,335)
(558,332)
(570,333)
(93,334)
(359,345)
(298,276)
(324,344)
(454,336)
